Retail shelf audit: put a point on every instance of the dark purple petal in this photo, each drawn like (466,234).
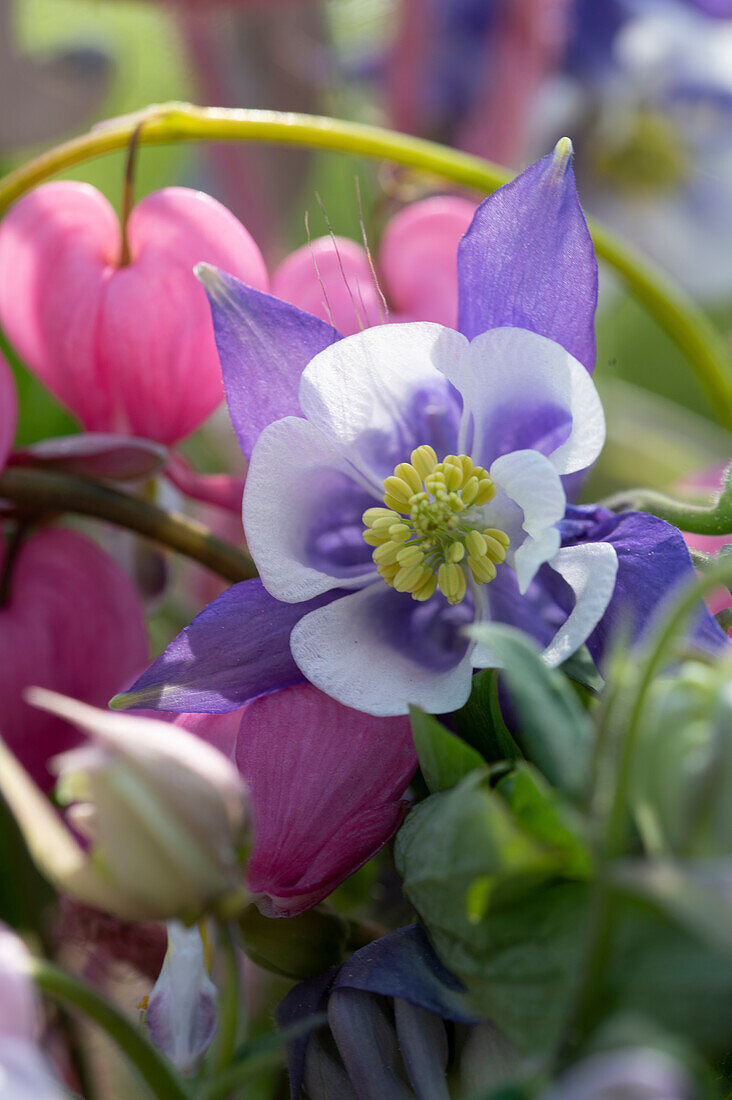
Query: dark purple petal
(527,260)
(404,964)
(365,1035)
(653,563)
(424,1049)
(263,344)
(95,454)
(236,649)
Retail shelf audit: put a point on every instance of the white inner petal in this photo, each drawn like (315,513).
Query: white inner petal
(590,569)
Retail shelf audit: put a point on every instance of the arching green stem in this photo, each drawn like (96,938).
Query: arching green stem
(697,519)
(56,983)
(687,326)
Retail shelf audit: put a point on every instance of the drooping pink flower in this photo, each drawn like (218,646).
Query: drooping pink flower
(72,622)
(326,785)
(8,411)
(417,268)
(127,348)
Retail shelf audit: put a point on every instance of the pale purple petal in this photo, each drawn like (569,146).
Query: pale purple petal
(263,345)
(182,1015)
(236,649)
(378,650)
(521,390)
(527,260)
(383,392)
(302,513)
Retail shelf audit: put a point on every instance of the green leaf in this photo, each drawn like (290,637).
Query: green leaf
(543,812)
(581,668)
(480,721)
(554,731)
(444,758)
(296,947)
(480,866)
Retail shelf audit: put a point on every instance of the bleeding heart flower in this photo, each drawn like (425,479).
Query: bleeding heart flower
(332,278)
(128,348)
(310,834)
(72,622)
(8,411)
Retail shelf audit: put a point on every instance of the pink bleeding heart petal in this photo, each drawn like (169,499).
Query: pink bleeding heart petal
(331,279)
(326,786)
(418,258)
(8,411)
(72,623)
(127,349)
(96,454)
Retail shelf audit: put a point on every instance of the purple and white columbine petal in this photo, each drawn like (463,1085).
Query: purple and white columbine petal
(479,426)
(510,403)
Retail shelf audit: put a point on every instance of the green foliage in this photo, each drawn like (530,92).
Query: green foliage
(444,758)
(481,723)
(554,731)
(295,947)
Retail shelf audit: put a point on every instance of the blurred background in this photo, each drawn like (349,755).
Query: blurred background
(643,88)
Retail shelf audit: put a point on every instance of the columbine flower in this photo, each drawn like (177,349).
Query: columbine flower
(181,1014)
(423,490)
(309,835)
(24,1074)
(67,299)
(165,816)
(417,262)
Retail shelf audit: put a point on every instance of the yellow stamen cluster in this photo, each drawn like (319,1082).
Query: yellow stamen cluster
(430,529)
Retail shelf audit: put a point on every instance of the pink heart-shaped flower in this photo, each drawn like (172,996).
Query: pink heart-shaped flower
(72,623)
(127,348)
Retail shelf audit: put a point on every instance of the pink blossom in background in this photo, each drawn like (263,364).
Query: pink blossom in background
(417,270)
(125,348)
(326,786)
(708,480)
(72,623)
(8,411)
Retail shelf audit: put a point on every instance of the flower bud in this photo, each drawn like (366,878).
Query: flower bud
(164,813)
(181,1015)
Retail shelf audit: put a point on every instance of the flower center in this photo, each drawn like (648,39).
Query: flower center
(432,529)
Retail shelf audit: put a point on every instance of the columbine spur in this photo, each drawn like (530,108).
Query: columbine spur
(410,479)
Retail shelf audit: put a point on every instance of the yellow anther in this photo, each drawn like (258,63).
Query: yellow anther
(495,550)
(397,488)
(452,582)
(426,590)
(408,474)
(499,536)
(455,553)
(383,523)
(400,532)
(386,554)
(469,490)
(410,555)
(410,578)
(486,492)
(424,460)
(372,538)
(426,536)
(482,569)
(397,505)
(475,543)
(372,515)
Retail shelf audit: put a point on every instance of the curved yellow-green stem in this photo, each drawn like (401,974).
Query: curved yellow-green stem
(687,326)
